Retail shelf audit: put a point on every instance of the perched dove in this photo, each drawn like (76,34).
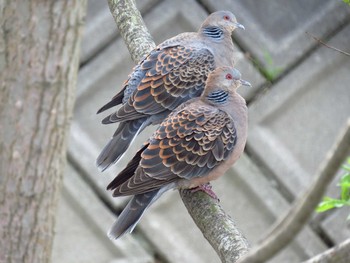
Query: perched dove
(195,144)
(169,75)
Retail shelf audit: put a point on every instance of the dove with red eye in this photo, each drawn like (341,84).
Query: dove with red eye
(194,145)
(174,72)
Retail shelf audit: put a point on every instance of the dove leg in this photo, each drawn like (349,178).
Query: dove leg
(206,188)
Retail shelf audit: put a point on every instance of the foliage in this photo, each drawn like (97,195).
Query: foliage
(344,200)
(346,2)
(269,70)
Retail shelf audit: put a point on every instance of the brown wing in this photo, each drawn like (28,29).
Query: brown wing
(189,143)
(171,76)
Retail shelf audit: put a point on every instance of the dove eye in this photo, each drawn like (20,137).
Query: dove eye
(226,17)
(229,76)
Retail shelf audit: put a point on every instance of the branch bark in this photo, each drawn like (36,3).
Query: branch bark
(337,254)
(132,28)
(326,45)
(217,227)
(290,224)
(39,58)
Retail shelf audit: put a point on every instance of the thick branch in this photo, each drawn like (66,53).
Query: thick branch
(290,225)
(337,254)
(132,28)
(217,227)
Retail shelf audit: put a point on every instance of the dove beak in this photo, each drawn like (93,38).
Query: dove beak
(245,83)
(239,26)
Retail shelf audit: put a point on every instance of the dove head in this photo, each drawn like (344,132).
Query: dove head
(221,84)
(218,23)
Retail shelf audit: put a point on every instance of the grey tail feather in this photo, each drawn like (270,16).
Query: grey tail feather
(117,146)
(116,100)
(128,171)
(132,213)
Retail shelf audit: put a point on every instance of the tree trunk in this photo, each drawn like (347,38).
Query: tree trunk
(39,57)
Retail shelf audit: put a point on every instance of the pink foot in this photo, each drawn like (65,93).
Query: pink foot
(206,188)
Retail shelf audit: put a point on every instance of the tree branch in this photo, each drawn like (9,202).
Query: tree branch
(290,225)
(337,254)
(326,45)
(217,227)
(132,28)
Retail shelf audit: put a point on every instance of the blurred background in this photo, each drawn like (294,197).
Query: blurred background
(299,102)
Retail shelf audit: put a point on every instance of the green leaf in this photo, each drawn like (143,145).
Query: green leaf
(345,187)
(344,183)
(330,203)
(348,159)
(271,72)
(345,179)
(268,57)
(346,167)
(324,206)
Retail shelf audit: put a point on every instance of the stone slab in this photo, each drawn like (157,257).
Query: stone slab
(247,196)
(82,152)
(100,27)
(103,76)
(336,226)
(81,228)
(277,28)
(294,124)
